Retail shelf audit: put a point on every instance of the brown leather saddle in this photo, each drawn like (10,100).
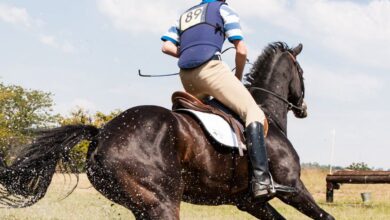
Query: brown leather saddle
(183,100)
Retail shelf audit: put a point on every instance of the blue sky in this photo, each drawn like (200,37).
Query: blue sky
(87,54)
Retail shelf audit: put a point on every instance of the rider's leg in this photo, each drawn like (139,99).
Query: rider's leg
(215,79)
(258,155)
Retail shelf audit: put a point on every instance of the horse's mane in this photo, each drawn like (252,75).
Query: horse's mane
(264,63)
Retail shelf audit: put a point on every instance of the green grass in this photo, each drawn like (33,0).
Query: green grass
(87,203)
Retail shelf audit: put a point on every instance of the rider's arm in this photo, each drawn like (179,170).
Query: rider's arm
(171,41)
(170,48)
(241,53)
(234,34)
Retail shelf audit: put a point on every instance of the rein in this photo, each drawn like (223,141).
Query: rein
(174,74)
(290,105)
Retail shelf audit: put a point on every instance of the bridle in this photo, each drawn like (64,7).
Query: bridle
(290,105)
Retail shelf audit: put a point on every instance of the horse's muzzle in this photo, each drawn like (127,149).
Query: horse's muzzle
(302,112)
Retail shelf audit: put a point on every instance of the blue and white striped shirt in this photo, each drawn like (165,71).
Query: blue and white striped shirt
(231,20)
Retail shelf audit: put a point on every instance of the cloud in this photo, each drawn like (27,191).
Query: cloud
(21,18)
(353,30)
(349,31)
(51,41)
(141,16)
(17,16)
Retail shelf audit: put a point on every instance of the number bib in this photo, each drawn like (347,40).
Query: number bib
(193,17)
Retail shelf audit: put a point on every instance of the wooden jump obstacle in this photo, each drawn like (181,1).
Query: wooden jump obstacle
(334,180)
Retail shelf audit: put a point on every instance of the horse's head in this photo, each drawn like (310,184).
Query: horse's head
(296,93)
(276,77)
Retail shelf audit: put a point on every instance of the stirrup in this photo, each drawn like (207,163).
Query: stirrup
(264,190)
(276,187)
(272,190)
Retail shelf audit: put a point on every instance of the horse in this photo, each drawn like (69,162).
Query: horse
(149,158)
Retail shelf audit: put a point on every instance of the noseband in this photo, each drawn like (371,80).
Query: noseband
(290,105)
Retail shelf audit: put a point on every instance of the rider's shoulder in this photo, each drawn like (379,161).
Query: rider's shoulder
(228,10)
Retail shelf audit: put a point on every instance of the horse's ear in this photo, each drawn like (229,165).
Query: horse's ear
(297,50)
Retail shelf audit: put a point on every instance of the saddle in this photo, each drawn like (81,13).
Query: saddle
(183,101)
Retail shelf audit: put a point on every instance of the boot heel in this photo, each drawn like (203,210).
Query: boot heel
(259,191)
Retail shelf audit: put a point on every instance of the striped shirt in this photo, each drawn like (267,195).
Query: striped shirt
(231,20)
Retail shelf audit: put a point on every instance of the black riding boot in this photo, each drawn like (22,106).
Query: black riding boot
(261,182)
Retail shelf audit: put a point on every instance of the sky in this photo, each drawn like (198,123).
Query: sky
(87,54)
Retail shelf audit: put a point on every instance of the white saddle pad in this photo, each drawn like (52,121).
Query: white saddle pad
(218,128)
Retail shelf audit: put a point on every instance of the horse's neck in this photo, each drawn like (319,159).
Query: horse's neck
(273,107)
(276,111)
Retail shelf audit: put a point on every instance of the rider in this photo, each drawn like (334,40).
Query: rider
(197,39)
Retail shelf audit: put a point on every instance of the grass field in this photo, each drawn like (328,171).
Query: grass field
(86,203)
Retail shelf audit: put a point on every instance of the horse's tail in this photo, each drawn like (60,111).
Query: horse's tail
(26,180)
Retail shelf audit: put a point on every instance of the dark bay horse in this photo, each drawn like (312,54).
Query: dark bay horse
(149,159)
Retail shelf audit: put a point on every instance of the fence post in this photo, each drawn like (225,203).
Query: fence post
(329,191)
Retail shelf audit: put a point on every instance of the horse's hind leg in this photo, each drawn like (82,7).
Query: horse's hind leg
(138,166)
(146,194)
(148,205)
(304,202)
(262,211)
(149,194)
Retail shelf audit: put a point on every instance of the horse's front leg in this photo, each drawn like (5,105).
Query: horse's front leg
(286,170)
(304,202)
(262,211)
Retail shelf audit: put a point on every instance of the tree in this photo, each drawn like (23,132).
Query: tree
(22,110)
(81,116)
(359,166)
